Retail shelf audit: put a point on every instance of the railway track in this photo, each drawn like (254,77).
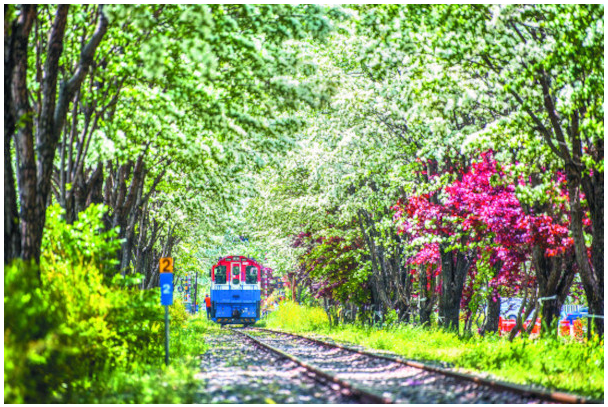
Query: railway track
(344,387)
(387,379)
(238,371)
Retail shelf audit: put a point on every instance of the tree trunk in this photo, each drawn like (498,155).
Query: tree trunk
(327,308)
(127,201)
(492,319)
(454,268)
(533,322)
(554,276)
(577,177)
(35,165)
(391,288)
(550,316)
(12,237)
(50,125)
(428,284)
(593,186)
(153,274)
(425,314)
(523,313)
(30,228)
(592,277)
(145,244)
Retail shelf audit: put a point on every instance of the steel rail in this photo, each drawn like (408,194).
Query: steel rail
(557,396)
(363,395)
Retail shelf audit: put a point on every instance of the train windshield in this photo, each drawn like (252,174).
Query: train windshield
(236,273)
(220,275)
(251,276)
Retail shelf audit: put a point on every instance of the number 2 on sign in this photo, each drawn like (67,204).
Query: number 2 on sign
(166,265)
(167,289)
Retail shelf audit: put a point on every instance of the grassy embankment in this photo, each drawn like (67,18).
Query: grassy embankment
(77,332)
(156,383)
(554,363)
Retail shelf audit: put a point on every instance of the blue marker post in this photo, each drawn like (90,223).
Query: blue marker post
(166,296)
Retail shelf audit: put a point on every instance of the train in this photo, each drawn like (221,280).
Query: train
(236,291)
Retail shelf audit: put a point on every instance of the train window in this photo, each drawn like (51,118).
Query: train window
(220,275)
(251,275)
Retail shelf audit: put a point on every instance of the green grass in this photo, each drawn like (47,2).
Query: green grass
(156,383)
(188,341)
(293,317)
(554,363)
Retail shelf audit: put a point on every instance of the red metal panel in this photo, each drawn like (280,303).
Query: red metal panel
(223,261)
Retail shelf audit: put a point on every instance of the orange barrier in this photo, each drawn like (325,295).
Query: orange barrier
(506,325)
(575,329)
(565,329)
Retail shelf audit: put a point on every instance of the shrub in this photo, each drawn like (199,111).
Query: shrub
(187,341)
(552,362)
(177,313)
(158,384)
(83,242)
(138,318)
(67,321)
(30,341)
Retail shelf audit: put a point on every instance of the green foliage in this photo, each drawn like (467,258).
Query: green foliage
(336,266)
(146,385)
(219,96)
(551,362)
(86,241)
(187,340)
(30,343)
(64,325)
(153,382)
(177,313)
(138,319)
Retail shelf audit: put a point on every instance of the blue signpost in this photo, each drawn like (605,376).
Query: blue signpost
(166,289)
(166,296)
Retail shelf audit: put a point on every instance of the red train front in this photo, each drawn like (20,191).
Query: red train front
(235,290)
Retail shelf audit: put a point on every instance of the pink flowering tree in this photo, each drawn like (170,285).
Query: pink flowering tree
(476,225)
(487,208)
(429,224)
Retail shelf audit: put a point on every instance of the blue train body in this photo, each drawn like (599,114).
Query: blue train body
(235,291)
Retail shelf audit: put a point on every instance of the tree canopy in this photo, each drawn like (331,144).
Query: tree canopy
(403,157)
